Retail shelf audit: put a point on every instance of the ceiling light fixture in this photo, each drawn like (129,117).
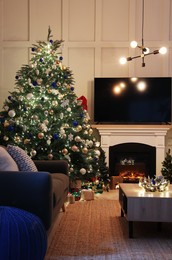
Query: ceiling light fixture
(144,50)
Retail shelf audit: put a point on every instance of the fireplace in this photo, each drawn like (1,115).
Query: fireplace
(152,135)
(132,161)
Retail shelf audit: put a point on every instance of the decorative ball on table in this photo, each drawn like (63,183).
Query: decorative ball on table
(22,235)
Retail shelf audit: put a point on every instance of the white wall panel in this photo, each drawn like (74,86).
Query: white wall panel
(110,62)
(115,16)
(170,62)
(43,14)
(13,59)
(81,20)
(15,20)
(82,64)
(170,22)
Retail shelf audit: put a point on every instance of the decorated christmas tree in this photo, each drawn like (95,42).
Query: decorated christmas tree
(44,116)
(167,166)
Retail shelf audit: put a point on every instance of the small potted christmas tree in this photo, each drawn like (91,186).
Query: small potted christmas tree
(167,167)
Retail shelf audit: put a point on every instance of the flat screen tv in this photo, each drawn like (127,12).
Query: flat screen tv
(132,100)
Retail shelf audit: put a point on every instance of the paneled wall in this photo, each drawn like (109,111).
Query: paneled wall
(96,34)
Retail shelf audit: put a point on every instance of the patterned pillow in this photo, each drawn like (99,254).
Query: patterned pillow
(6,161)
(24,162)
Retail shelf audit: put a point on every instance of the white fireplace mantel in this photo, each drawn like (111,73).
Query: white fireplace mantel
(153,135)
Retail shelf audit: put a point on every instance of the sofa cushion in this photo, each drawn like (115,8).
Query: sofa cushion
(6,161)
(24,162)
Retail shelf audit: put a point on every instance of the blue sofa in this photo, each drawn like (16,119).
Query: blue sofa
(42,193)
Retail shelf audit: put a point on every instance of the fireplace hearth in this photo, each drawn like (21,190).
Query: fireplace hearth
(132,161)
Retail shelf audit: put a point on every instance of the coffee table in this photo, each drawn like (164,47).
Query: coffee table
(140,205)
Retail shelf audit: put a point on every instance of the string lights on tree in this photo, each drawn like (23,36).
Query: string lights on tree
(44,116)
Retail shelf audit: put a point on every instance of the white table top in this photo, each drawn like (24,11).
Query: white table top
(134,190)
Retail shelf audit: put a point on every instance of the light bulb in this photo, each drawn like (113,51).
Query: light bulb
(133,44)
(163,50)
(141,86)
(146,50)
(123,60)
(134,79)
(117,90)
(122,85)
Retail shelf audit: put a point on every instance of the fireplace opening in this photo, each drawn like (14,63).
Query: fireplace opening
(132,161)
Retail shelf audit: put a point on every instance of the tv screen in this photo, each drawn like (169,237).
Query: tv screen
(132,100)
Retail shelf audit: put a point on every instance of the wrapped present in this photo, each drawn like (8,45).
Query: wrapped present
(115,180)
(87,194)
(71,199)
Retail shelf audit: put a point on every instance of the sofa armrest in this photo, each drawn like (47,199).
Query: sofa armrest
(30,191)
(54,166)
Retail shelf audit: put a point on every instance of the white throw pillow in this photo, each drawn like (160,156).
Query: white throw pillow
(6,161)
(24,162)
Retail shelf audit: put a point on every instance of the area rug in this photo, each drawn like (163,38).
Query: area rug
(94,230)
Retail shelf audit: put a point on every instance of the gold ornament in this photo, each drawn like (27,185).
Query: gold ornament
(85,150)
(39,106)
(26,141)
(74,148)
(51,112)
(49,141)
(29,96)
(55,103)
(41,135)
(90,131)
(65,151)
(32,153)
(6,138)
(90,143)
(78,128)
(97,182)
(35,117)
(6,124)
(17,139)
(78,139)
(86,120)
(39,81)
(50,156)
(46,122)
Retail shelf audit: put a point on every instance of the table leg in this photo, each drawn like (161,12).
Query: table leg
(130,228)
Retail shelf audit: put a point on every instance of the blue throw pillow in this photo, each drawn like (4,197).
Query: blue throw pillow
(22,159)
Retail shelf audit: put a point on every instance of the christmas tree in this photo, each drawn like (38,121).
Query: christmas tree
(167,167)
(44,116)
